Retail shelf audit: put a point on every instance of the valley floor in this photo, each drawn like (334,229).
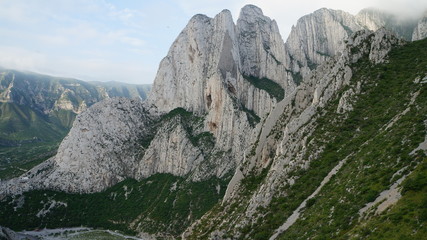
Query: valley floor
(80,233)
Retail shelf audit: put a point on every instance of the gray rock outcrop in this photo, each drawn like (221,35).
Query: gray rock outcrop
(203,74)
(374,19)
(318,36)
(101,149)
(420,31)
(262,52)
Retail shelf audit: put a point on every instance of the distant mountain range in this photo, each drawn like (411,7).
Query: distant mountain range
(39,110)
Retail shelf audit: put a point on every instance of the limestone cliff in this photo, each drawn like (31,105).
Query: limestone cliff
(420,31)
(318,36)
(374,19)
(282,147)
(203,74)
(261,46)
(101,149)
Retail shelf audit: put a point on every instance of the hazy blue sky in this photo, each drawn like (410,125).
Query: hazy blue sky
(124,40)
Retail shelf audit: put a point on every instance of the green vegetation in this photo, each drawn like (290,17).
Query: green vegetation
(28,137)
(31,127)
(406,220)
(374,153)
(96,235)
(377,137)
(14,161)
(297,77)
(161,203)
(252,117)
(192,125)
(271,87)
(21,123)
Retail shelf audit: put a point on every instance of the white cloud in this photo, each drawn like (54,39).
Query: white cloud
(21,59)
(92,69)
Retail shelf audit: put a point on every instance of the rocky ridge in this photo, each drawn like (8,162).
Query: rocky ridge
(320,35)
(374,19)
(285,145)
(206,64)
(206,72)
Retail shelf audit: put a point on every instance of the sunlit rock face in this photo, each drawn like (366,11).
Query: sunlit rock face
(318,36)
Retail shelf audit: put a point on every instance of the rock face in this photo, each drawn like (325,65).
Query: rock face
(283,149)
(171,151)
(101,149)
(192,59)
(374,19)
(318,36)
(420,31)
(204,74)
(211,48)
(261,46)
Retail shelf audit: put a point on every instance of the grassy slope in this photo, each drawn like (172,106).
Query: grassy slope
(377,154)
(29,137)
(152,202)
(405,220)
(159,204)
(271,87)
(19,122)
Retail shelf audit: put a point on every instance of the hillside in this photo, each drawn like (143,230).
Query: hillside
(37,111)
(374,147)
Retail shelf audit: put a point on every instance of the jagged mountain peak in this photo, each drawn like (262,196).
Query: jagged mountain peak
(199,17)
(318,36)
(260,42)
(252,14)
(250,10)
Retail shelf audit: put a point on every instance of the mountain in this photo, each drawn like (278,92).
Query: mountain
(420,31)
(244,136)
(37,111)
(319,35)
(374,19)
(119,89)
